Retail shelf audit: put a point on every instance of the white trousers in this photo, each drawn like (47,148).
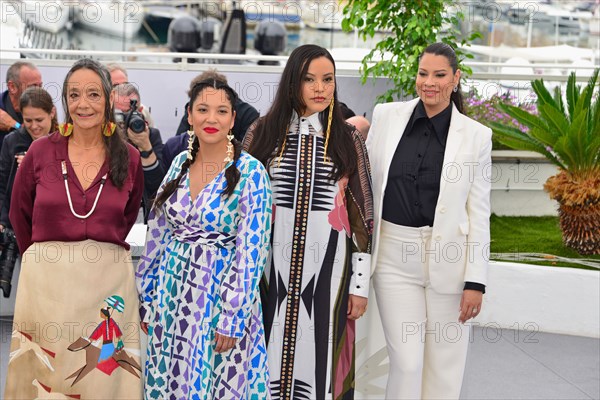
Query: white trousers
(427,346)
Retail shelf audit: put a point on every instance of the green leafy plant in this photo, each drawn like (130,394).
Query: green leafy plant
(413,25)
(568,135)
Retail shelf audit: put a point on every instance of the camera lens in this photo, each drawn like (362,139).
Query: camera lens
(137,124)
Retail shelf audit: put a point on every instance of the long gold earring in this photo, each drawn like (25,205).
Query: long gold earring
(328,132)
(229,155)
(65,129)
(283,146)
(190,147)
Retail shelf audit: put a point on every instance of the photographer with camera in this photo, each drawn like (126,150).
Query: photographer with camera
(118,76)
(39,119)
(19,76)
(128,113)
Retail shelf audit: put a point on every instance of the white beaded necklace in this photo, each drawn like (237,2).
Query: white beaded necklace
(102,182)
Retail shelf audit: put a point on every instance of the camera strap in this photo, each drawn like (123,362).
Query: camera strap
(102,182)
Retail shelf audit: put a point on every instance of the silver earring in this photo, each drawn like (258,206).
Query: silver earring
(455,89)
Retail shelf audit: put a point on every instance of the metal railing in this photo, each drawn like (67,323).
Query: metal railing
(250,62)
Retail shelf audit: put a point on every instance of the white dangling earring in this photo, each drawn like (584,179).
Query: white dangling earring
(190,144)
(455,89)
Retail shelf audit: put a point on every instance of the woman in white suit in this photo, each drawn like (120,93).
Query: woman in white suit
(431,190)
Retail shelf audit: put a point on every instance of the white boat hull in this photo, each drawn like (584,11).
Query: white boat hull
(594,25)
(47,15)
(116,18)
(11,30)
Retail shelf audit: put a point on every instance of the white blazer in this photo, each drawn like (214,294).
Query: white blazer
(459,249)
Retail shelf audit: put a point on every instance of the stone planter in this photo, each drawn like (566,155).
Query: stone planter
(518,179)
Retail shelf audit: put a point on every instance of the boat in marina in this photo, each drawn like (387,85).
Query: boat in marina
(122,18)
(117,18)
(48,15)
(11,30)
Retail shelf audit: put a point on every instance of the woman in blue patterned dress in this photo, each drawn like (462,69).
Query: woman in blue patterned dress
(206,249)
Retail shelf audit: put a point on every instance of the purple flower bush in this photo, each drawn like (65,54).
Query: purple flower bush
(487,110)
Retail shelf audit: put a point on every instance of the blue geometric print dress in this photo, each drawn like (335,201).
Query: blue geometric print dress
(199,275)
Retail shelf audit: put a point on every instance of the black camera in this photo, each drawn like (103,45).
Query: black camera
(8,259)
(134,119)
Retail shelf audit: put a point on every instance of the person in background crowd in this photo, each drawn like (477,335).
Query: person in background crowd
(75,198)
(361,124)
(147,140)
(206,249)
(19,76)
(119,76)
(432,228)
(39,119)
(317,283)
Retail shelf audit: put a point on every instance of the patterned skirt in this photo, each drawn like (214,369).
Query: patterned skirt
(76,303)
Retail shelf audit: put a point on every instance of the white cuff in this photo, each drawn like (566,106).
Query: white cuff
(361,268)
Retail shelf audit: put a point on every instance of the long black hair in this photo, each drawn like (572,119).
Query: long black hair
(270,131)
(443,49)
(116,149)
(232,174)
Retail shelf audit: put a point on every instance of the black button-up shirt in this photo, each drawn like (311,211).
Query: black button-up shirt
(413,184)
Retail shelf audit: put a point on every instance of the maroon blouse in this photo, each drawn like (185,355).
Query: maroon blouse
(39,209)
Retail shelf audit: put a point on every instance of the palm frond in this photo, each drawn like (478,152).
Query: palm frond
(572,94)
(546,136)
(590,87)
(577,139)
(558,99)
(518,140)
(593,116)
(556,120)
(523,117)
(544,96)
(564,147)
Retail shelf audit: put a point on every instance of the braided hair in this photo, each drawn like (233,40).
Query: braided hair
(232,174)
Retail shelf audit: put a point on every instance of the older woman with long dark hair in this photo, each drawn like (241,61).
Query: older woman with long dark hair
(317,282)
(76,195)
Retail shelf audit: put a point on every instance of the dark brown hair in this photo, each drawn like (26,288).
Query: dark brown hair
(270,131)
(116,149)
(232,174)
(443,49)
(37,97)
